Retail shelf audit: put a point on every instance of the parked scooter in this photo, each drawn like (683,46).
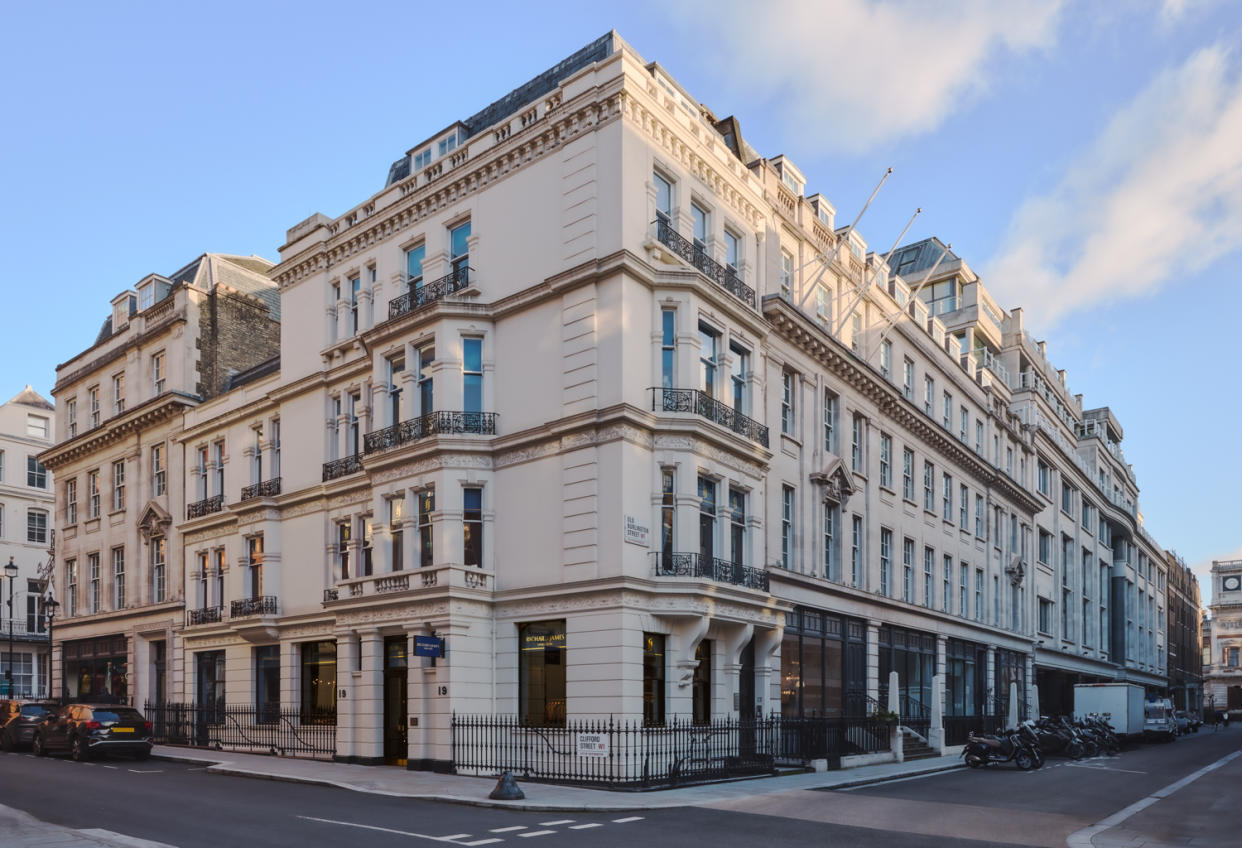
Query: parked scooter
(1009,746)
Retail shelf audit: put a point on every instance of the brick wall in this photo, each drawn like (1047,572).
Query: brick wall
(236,332)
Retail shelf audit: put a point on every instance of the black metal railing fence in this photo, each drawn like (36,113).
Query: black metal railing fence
(282,730)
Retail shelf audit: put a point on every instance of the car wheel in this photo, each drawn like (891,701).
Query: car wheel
(36,746)
(79,751)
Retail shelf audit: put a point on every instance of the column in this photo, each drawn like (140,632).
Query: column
(369,702)
(994,696)
(873,661)
(346,694)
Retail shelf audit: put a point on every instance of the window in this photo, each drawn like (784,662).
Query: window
(1067,499)
(414,258)
(71,586)
(217,451)
(118,485)
(886,359)
(979,594)
(472,525)
(201,477)
(907,570)
(964,424)
(118,394)
(395,366)
(886,461)
(737,527)
(855,550)
(1045,547)
(886,561)
(1088,517)
(979,437)
(668,512)
(158,472)
(1045,616)
(396,533)
(698,220)
(92,395)
(353,443)
(71,417)
(731,252)
(739,367)
(118,578)
(92,494)
(426,361)
(856,444)
(963,608)
(929,578)
(92,583)
(701,684)
(472,374)
(254,566)
(448,144)
(422,158)
(947,496)
(963,519)
(318,683)
(1009,460)
(36,526)
(37,426)
(344,534)
(907,474)
(158,579)
(157,372)
(663,200)
(653,679)
(830,422)
(355,286)
(146,297)
(929,486)
(948,411)
(256,456)
(907,383)
(787,525)
(459,252)
(855,331)
(426,505)
(668,348)
(709,341)
(707,522)
(929,396)
(787,272)
(71,502)
(36,474)
(946,602)
(541,673)
(830,532)
(267,683)
(787,403)
(823,306)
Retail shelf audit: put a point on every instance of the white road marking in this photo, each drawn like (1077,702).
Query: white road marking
(537,833)
(628,819)
(585,826)
(554,823)
(111,767)
(482,842)
(1104,768)
(380,829)
(1082,838)
(456,836)
(508,829)
(146,771)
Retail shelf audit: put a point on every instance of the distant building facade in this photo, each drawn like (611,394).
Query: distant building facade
(1184,636)
(1222,670)
(27,427)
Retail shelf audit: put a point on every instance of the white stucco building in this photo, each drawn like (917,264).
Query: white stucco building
(1222,649)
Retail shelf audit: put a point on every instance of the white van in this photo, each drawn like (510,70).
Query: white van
(1158,720)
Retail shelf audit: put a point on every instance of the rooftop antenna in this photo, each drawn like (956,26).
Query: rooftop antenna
(862,286)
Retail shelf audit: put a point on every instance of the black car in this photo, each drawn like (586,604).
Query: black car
(85,730)
(18,720)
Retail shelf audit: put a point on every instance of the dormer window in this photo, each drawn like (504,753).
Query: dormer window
(422,158)
(791,182)
(449,143)
(146,297)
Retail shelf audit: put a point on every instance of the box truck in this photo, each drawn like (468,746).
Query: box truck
(1120,704)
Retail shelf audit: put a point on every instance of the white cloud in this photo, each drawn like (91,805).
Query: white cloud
(853,73)
(1157,195)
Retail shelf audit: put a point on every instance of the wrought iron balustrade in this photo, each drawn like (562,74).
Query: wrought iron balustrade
(205,615)
(341,467)
(268,729)
(264,489)
(260,605)
(428,293)
(205,507)
(712,568)
(703,404)
(431,424)
(704,264)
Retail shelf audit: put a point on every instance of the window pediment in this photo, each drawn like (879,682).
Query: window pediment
(836,479)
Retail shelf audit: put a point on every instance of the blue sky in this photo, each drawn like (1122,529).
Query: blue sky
(1084,157)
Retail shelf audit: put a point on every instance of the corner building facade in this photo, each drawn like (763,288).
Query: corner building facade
(600,400)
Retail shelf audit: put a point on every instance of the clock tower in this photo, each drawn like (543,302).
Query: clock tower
(1222,685)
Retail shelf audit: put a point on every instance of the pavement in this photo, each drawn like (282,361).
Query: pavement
(21,830)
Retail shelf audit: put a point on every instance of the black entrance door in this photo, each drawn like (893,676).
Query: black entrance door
(396,742)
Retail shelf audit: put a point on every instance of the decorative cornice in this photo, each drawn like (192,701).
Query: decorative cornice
(137,419)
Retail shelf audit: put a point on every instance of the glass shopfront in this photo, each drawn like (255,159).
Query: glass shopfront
(966,668)
(97,670)
(913,656)
(823,665)
(1010,668)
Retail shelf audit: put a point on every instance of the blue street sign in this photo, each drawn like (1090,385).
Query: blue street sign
(428,646)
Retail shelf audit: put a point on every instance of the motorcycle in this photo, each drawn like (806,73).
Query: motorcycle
(981,751)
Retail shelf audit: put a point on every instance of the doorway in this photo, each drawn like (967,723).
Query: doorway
(396,671)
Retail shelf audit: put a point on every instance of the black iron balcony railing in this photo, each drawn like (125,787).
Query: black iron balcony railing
(260,605)
(708,267)
(428,293)
(265,489)
(433,423)
(206,615)
(697,565)
(341,467)
(205,507)
(701,403)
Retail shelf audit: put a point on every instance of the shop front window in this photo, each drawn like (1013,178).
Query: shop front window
(318,683)
(541,673)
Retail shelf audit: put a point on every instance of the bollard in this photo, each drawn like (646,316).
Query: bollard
(507,789)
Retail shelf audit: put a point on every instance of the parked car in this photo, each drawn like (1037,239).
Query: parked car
(1187,722)
(18,719)
(85,730)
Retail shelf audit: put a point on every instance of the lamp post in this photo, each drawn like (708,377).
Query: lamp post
(49,607)
(11,571)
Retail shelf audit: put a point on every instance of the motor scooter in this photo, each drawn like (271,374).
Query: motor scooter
(981,751)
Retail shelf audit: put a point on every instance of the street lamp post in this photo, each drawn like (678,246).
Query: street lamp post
(50,606)
(11,571)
